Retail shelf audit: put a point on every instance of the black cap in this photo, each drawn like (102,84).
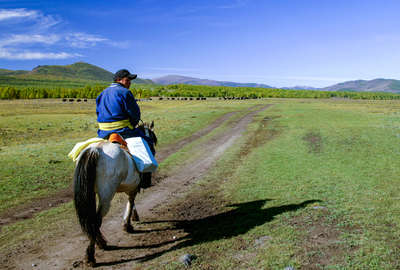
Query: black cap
(123,73)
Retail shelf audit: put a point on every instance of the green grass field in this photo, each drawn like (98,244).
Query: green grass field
(313,184)
(36,136)
(321,192)
(343,154)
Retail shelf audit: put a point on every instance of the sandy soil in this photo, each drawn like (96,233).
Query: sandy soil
(130,251)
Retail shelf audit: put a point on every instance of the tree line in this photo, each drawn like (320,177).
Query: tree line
(182,90)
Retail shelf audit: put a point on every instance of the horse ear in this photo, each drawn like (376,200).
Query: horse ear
(152,124)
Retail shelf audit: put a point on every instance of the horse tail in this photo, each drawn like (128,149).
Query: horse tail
(84,193)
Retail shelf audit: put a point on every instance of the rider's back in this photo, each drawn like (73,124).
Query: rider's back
(116,103)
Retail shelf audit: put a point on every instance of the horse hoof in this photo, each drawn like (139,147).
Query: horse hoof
(102,244)
(135,219)
(77,264)
(128,228)
(135,216)
(91,263)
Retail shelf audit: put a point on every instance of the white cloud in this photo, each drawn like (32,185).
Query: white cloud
(29,39)
(82,40)
(6,14)
(45,22)
(14,46)
(40,33)
(39,21)
(30,55)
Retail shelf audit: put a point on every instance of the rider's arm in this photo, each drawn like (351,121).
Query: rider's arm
(132,108)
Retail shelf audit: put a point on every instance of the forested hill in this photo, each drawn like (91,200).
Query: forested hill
(79,71)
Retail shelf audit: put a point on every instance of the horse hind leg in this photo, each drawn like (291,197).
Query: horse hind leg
(90,259)
(100,240)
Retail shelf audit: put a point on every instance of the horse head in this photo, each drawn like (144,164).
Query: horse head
(148,130)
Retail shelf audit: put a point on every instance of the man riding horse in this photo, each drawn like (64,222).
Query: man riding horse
(118,112)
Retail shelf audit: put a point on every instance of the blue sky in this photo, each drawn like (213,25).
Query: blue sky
(276,42)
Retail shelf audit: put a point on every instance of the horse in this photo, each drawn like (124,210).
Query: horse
(104,168)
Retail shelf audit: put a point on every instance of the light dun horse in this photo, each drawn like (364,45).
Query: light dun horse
(105,168)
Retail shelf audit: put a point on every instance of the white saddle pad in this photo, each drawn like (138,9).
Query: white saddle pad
(142,154)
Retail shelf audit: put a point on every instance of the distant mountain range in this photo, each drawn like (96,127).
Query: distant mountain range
(177,79)
(82,72)
(377,85)
(300,87)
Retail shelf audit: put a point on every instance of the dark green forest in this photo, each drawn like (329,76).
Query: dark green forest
(70,89)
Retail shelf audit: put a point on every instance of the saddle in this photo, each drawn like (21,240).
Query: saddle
(145,178)
(116,138)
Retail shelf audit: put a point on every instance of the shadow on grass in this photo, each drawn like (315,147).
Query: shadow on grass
(225,225)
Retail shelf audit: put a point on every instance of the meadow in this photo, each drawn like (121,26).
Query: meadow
(36,136)
(313,183)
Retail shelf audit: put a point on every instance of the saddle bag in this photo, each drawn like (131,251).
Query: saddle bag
(142,155)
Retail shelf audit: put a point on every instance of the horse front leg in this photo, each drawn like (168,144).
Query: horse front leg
(130,213)
(135,215)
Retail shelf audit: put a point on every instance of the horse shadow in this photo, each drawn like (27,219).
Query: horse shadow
(232,223)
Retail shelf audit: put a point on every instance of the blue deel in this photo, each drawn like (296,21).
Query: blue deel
(117,103)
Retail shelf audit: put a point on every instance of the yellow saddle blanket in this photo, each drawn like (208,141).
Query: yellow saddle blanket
(114,137)
(82,145)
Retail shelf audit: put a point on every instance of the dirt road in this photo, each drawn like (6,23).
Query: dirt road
(38,205)
(67,252)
